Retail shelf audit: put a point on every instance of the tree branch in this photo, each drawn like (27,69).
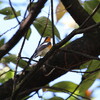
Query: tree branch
(77,12)
(38,77)
(24,26)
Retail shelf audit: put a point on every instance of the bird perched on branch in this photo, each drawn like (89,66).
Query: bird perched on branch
(43,48)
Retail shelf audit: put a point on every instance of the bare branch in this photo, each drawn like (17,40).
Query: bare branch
(8,30)
(14,11)
(89,17)
(52,18)
(24,26)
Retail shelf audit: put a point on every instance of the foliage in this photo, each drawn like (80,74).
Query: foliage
(44,27)
(9,13)
(5,74)
(67,85)
(56,98)
(28,34)
(88,78)
(91,75)
(2,42)
(13,59)
(90,6)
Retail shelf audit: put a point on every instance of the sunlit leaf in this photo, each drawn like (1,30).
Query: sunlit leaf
(56,98)
(90,77)
(90,6)
(13,59)
(60,11)
(85,65)
(70,86)
(9,13)
(22,63)
(44,25)
(5,74)
(8,59)
(12,16)
(6,11)
(2,42)
(28,33)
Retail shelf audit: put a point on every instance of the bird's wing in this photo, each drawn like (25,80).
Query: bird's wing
(41,47)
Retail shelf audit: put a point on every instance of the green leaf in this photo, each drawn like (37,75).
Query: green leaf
(6,74)
(22,63)
(6,11)
(8,59)
(28,33)
(85,65)
(12,16)
(70,86)
(90,77)
(44,25)
(27,97)
(90,6)
(0,2)
(56,98)
(2,42)
(9,13)
(13,59)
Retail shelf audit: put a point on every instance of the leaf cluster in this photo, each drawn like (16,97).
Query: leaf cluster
(43,25)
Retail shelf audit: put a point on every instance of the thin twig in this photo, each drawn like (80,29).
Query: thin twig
(65,69)
(87,75)
(5,72)
(74,90)
(8,30)
(56,88)
(92,14)
(18,60)
(4,49)
(83,54)
(87,72)
(27,8)
(52,18)
(82,81)
(57,46)
(65,91)
(88,28)
(39,65)
(44,29)
(14,82)
(28,59)
(40,38)
(14,12)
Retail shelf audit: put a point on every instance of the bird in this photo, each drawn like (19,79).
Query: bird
(43,48)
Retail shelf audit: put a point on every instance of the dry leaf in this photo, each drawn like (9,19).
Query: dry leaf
(60,11)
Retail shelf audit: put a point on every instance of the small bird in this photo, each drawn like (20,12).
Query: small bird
(43,48)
